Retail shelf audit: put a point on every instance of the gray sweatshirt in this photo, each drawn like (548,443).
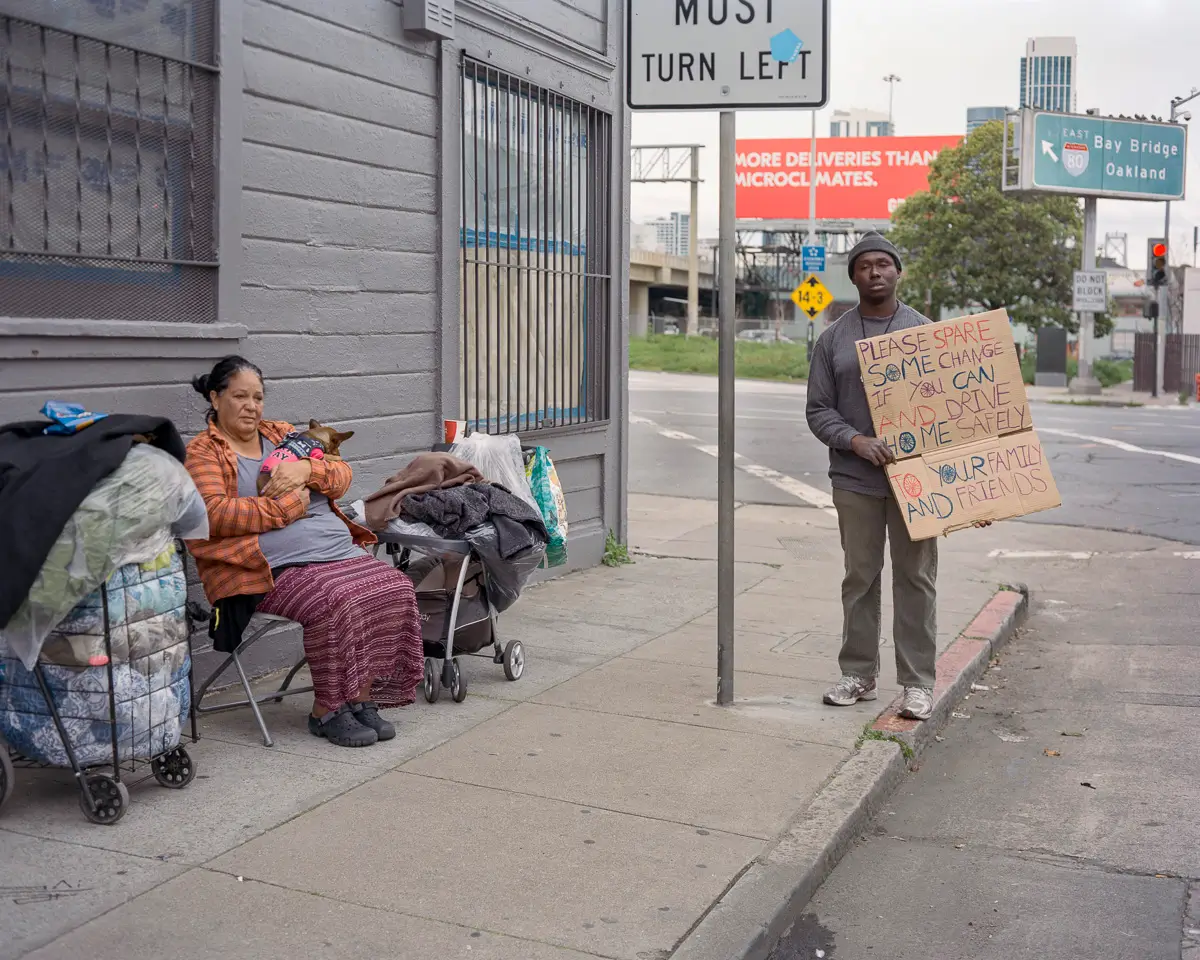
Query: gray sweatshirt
(837,401)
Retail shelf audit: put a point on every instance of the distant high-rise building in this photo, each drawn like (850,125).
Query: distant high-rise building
(672,233)
(978,116)
(858,123)
(1048,74)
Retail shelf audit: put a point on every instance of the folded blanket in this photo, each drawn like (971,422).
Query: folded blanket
(426,472)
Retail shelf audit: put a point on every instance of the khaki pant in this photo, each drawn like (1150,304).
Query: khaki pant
(864,523)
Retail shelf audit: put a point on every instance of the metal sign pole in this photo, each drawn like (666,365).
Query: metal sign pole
(1084,382)
(726,409)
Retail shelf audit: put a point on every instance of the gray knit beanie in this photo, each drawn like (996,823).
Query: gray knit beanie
(873,242)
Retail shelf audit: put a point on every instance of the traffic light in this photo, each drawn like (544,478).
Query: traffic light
(1156,262)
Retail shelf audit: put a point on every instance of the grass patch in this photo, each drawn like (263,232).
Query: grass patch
(1108,372)
(869,734)
(616,554)
(1112,372)
(752,361)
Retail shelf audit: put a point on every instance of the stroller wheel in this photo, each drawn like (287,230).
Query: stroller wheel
(111,798)
(433,683)
(458,683)
(514,660)
(175,769)
(7,774)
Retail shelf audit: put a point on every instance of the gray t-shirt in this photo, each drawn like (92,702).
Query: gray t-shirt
(837,401)
(317,537)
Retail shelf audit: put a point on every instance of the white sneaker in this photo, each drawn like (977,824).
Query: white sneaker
(917,703)
(849,690)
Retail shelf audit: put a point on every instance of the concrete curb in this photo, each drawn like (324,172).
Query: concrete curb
(758,908)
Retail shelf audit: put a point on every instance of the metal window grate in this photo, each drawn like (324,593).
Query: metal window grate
(536,256)
(108,162)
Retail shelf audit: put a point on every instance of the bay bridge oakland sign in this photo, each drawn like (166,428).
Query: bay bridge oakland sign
(1093,156)
(727,54)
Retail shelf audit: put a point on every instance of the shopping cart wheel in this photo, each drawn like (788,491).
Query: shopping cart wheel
(8,777)
(458,682)
(433,683)
(175,769)
(514,660)
(111,796)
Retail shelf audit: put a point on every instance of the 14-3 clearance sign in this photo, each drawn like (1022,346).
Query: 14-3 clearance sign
(727,54)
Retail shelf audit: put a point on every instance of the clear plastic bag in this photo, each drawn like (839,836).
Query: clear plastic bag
(500,461)
(130,517)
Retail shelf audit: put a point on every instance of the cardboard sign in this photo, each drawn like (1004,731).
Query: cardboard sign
(944,383)
(994,479)
(949,400)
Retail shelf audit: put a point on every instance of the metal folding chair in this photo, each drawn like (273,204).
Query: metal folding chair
(261,626)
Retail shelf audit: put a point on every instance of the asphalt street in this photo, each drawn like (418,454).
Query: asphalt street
(1133,469)
(1057,820)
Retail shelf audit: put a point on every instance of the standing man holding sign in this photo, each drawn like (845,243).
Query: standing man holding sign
(839,416)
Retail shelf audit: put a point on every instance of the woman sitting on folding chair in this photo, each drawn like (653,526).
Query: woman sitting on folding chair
(291,552)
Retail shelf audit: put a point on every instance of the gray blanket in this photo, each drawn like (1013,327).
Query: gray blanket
(452,511)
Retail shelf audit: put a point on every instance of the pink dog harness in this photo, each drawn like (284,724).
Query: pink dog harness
(295,446)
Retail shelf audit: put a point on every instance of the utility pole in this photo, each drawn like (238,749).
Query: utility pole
(812,213)
(812,180)
(693,304)
(1084,382)
(891,80)
(1165,307)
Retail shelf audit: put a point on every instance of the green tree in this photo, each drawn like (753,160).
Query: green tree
(968,243)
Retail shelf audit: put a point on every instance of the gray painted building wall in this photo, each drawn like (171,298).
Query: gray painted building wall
(339,216)
(339,211)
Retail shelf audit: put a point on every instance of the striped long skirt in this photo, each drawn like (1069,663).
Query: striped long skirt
(360,624)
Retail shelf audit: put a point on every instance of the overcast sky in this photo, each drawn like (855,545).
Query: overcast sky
(1134,56)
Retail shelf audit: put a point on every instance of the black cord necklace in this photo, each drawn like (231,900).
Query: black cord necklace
(863,323)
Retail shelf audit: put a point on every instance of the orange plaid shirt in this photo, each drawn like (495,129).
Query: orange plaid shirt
(230,562)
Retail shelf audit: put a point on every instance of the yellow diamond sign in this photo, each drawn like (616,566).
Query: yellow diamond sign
(812,296)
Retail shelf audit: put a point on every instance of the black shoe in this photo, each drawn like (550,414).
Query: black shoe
(340,727)
(367,713)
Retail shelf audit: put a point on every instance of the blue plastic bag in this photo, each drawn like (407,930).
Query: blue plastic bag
(68,418)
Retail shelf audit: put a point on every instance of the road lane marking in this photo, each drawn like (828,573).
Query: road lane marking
(1040,555)
(1119,444)
(785,418)
(781,481)
(1087,555)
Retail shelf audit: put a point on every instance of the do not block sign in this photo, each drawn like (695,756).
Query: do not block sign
(949,400)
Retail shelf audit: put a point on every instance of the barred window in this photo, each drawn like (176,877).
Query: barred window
(108,159)
(536,256)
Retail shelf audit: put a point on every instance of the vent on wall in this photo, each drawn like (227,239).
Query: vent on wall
(430,18)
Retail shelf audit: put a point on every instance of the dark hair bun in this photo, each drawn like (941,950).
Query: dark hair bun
(200,385)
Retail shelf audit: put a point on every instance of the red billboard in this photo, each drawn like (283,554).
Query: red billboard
(858,178)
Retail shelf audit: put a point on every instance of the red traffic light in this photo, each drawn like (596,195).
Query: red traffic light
(1160,250)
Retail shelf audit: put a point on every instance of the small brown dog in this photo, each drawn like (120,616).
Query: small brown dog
(318,442)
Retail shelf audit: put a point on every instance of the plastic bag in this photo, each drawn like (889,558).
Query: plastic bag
(500,461)
(68,417)
(505,578)
(151,670)
(550,500)
(130,517)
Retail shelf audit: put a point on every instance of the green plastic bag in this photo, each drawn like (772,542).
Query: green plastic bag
(548,493)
